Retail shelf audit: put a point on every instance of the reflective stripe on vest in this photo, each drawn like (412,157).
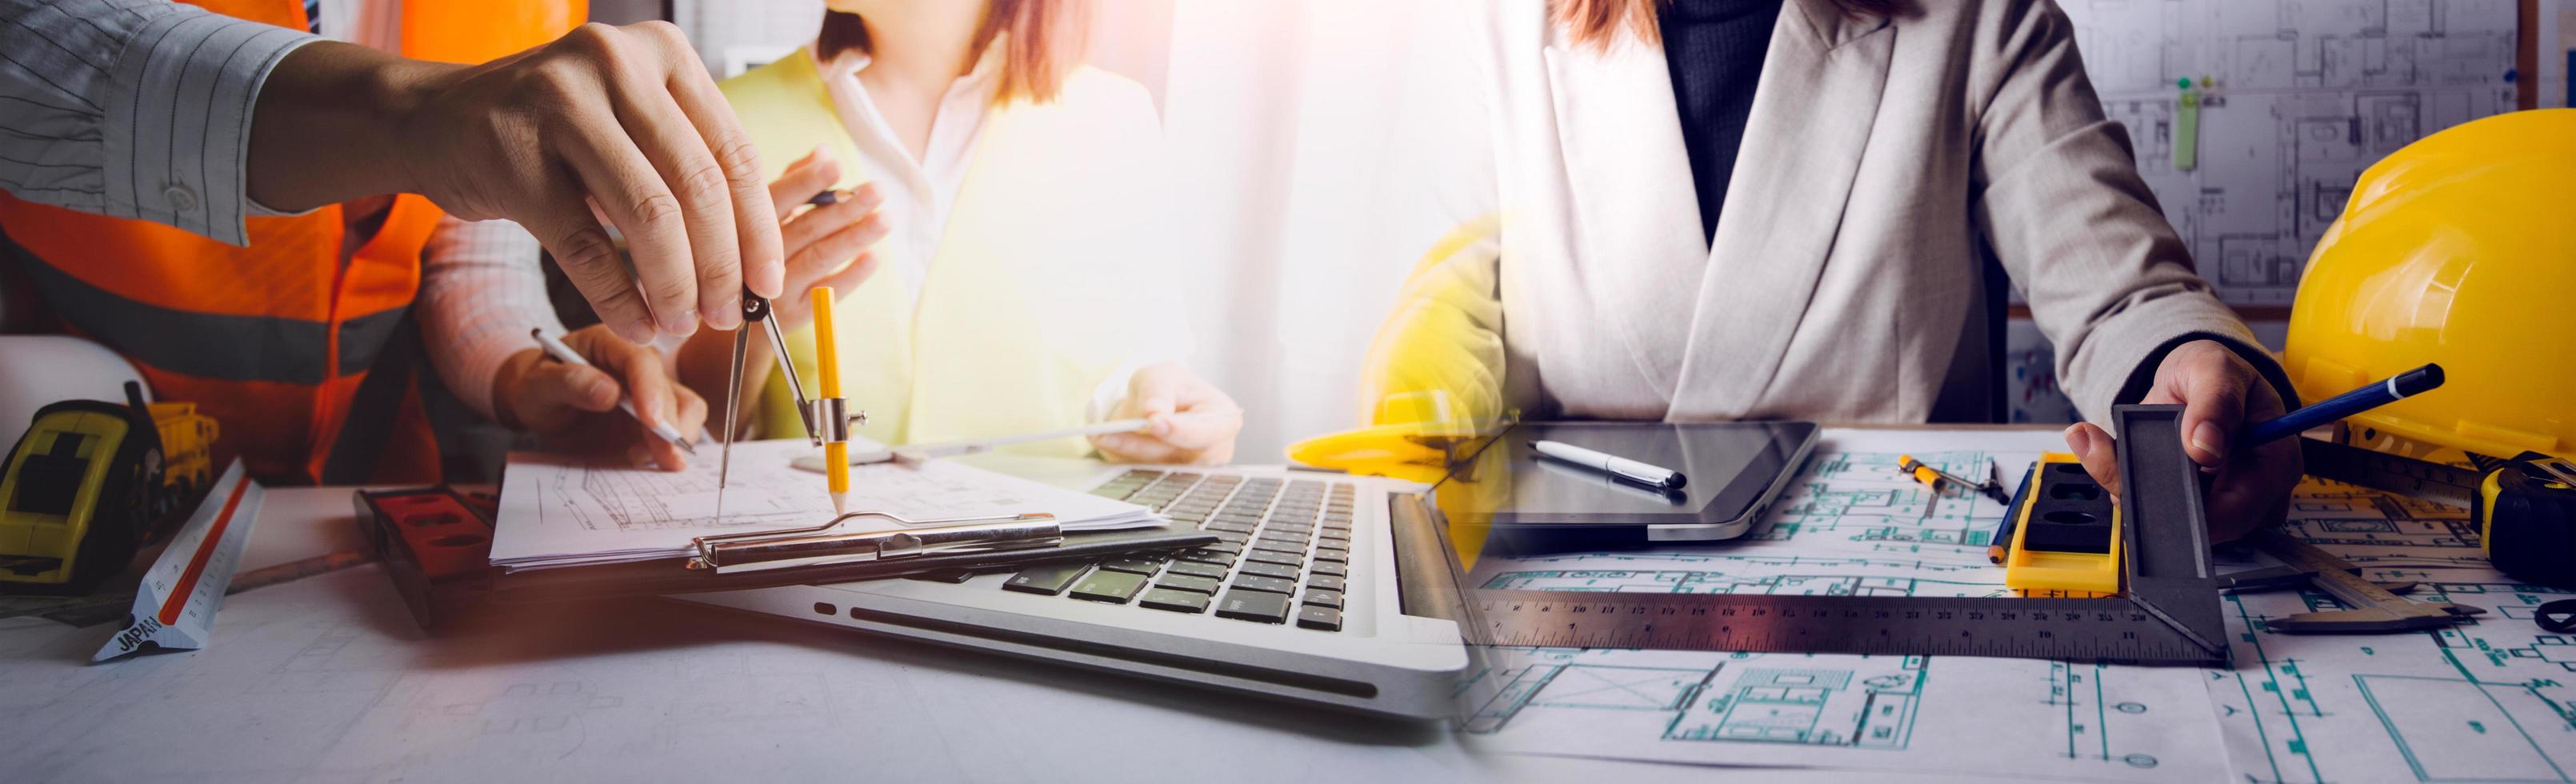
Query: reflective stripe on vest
(276,339)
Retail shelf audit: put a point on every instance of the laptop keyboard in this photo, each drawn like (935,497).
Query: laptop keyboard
(1283,555)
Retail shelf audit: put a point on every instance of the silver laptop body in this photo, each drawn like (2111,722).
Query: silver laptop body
(1298,602)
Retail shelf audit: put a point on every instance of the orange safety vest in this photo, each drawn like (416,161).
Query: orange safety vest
(277,339)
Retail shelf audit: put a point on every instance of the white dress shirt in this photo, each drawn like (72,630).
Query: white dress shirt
(133,108)
(142,109)
(920,192)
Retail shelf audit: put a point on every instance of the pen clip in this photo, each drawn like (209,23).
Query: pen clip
(813,545)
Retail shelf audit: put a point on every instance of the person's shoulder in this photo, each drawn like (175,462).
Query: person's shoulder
(1986,19)
(790,76)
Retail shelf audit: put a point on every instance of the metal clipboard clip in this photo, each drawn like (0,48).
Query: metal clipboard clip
(817,545)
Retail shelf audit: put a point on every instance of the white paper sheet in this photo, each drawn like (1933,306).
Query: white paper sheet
(559,511)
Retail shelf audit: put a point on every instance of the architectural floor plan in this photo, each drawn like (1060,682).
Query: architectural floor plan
(2489,701)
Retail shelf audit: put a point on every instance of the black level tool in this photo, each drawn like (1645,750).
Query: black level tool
(2524,508)
(2167,612)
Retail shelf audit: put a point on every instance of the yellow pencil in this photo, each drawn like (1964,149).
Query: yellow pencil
(827,360)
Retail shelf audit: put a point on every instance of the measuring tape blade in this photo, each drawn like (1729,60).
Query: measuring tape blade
(176,604)
(2429,481)
(2169,615)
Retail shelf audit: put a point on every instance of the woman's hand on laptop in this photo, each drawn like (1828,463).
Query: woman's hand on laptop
(1192,421)
(2221,394)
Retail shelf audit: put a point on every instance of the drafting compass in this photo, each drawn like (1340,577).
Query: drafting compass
(826,420)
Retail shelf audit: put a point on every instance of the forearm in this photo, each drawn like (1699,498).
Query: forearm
(325,124)
(482,288)
(133,108)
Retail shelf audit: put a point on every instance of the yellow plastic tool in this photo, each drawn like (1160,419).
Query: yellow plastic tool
(2066,531)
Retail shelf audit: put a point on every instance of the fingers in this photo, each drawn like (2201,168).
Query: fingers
(755,216)
(824,238)
(563,224)
(669,140)
(808,176)
(2213,388)
(1140,448)
(631,192)
(689,418)
(2093,447)
(849,277)
(553,389)
(1202,429)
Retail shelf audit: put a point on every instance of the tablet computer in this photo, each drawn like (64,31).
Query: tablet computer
(1730,472)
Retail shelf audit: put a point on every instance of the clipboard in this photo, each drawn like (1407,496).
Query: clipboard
(760,559)
(670,576)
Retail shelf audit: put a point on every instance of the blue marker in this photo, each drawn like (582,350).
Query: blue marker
(2378,393)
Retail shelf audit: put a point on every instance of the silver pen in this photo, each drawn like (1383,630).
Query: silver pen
(564,354)
(1646,474)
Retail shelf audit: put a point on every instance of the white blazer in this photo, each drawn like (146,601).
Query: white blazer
(1882,161)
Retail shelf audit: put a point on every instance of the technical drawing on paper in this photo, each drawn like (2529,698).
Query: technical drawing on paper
(2297,98)
(2489,701)
(2493,700)
(2031,717)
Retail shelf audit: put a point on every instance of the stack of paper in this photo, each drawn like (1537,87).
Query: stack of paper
(564,511)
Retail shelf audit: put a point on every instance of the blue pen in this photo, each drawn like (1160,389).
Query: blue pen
(2376,394)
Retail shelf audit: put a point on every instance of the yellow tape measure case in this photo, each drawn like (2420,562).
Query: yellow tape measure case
(2066,531)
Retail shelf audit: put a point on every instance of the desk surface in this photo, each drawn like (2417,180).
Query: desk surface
(327,679)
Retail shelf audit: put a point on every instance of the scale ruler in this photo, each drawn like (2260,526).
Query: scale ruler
(2107,629)
(176,604)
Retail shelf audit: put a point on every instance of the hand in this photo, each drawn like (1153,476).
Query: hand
(827,245)
(1156,394)
(621,119)
(2220,393)
(574,408)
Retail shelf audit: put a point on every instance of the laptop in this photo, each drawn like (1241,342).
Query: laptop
(1324,588)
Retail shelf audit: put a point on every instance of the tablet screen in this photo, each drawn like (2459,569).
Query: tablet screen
(1728,466)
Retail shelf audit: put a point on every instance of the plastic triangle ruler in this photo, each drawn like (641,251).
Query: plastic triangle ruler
(175,606)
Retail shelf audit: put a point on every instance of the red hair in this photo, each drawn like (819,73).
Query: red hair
(1045,43)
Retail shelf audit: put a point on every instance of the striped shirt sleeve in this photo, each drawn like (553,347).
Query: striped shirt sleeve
(133,108)
(481,289)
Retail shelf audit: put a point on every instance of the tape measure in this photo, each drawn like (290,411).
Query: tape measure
(2167,611)
(2525,508)
(2066,531)
(176,604)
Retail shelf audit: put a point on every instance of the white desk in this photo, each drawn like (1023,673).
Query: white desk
(327,679)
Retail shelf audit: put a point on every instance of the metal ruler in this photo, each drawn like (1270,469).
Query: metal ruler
(2372,608)
(2430,481)
(175,606)
(2168,612)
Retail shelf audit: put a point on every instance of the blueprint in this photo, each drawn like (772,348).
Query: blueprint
(2488,701)
(2295,99)
(559,510)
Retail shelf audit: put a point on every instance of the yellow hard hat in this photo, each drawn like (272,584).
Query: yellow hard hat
(2458,249)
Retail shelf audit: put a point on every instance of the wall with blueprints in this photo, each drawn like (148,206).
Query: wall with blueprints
(2293,99)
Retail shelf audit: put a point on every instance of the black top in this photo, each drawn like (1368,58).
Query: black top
(1714,49)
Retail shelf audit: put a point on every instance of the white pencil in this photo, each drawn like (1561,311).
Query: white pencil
(562,353)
